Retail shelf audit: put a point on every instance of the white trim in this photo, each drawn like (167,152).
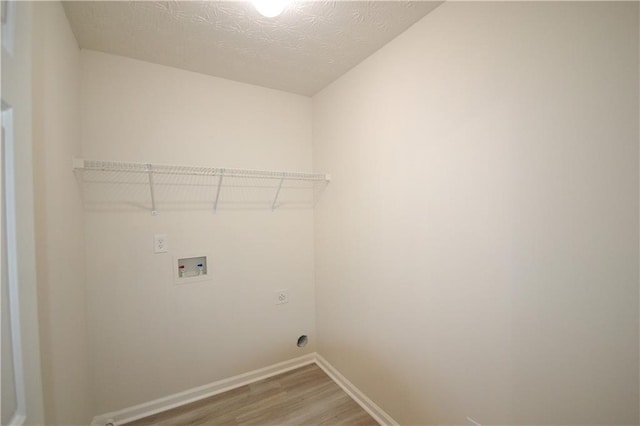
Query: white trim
(9,27)
(186,397)
(8,175)
(17,419)
(356,394)
(176,400)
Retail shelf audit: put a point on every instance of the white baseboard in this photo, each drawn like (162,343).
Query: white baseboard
(201,392)
(368,405)
(215,388)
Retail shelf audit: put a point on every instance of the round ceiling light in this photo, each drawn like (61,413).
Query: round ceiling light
(270,8)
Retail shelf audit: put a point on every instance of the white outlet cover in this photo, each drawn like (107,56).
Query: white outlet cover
(160,243)
(282,296)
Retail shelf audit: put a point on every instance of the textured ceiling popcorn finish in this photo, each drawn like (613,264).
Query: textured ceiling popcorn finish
(301,51)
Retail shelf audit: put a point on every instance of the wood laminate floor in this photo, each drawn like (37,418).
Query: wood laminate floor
(305,396)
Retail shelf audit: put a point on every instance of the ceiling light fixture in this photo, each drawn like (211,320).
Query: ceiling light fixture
(270,8)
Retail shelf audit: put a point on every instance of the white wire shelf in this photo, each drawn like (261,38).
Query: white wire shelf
(118,185)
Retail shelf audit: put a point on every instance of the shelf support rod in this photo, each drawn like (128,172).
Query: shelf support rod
(273,206)
(154,211)
(215,205)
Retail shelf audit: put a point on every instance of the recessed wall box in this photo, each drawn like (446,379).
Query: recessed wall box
(190,268)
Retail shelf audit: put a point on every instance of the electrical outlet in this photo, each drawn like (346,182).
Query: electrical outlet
(282,296)
(471,422)
(160,243)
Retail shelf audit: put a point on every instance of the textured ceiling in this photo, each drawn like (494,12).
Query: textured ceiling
(307,47)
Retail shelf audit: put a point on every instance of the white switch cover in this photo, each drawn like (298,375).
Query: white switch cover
(471,422)
(282,296)
(160,243)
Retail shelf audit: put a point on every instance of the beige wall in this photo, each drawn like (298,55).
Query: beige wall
(149,337)
(477,251)
(59,220)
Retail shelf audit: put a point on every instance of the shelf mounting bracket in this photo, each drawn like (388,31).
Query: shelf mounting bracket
(275,199)
(215,205)
(154,210)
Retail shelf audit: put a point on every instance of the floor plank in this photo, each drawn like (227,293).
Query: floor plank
(304,396)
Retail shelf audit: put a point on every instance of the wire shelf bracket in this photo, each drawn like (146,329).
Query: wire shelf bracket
(154,210)
(215,205)
(275,199)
